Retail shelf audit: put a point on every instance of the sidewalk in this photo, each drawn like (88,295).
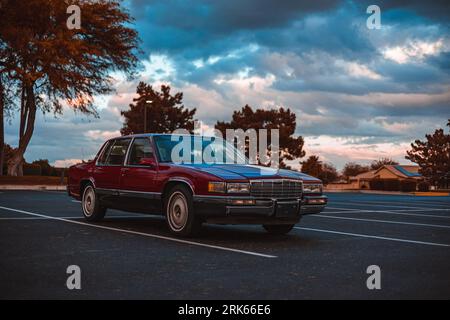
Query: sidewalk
(33,187)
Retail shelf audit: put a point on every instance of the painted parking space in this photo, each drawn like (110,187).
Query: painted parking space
(237,261)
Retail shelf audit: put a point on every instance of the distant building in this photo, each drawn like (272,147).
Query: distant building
(389,176)
(387,172)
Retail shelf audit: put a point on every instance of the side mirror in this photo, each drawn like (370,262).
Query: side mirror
(149,162)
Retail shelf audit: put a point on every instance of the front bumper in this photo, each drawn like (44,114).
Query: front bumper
(227,209)
(313,204)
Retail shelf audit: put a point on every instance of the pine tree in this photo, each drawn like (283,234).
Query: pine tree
(165,112)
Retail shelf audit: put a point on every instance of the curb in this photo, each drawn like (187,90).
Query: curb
(431,194)
(33,187)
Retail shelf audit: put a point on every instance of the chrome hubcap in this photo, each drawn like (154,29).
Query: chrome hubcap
(177,211)
(88,201)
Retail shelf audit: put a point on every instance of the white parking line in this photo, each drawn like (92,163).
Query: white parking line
(412,209)
(72,217)
(141,233)
(382,221)
(349,209)
(375,237)
(388,211)
(401,203)
(354,203)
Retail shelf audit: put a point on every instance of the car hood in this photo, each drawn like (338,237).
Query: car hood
(247,171)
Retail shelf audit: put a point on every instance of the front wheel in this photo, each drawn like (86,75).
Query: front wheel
(278,228)
(92,210)
(180,215)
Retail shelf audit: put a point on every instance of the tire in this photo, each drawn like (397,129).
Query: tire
(278,228)
(180,216)
(90,205)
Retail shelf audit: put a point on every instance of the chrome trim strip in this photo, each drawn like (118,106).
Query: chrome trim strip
(181,180)
(107,191)
(255,182)
(140,194)
(275,180)
(227,197)
(123,192)
(134,191)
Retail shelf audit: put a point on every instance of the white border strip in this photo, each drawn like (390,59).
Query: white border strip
(387,211)
(382,221)
(375,237)
(423,205)
(141,233)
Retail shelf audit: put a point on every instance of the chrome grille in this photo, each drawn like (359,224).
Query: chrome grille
(276,189)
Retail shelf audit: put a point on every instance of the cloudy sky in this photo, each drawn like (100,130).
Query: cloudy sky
(358,94)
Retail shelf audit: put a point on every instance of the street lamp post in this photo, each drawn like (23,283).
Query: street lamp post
(147,103)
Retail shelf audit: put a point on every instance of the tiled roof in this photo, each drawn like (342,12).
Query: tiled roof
(366,175)
(403,171)
(407,171)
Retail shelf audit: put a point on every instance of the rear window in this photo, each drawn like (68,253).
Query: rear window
(115,152)
(105,152)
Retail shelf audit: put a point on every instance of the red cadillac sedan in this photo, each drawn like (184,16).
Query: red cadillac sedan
(137,173)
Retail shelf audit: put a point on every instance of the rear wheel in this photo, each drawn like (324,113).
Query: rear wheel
(180,214)
(92,210)
(278,228)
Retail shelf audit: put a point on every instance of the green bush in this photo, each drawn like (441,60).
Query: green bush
(46,168)
(423,186)
(31,169)
(392,185)
(385,184)
(376,184)
(408,186)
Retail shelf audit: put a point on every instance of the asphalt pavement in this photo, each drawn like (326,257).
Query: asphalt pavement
(131,256)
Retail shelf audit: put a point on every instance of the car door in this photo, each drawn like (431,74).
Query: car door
(107,171)
(138,191)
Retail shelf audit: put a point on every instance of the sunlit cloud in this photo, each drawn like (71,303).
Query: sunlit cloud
(358,70)
(414,51)
(341,150)
(158,67)
(358,94)
(66,163)
(102,135)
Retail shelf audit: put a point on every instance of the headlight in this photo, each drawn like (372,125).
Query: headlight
(217,187)
(312,188)
(238,187)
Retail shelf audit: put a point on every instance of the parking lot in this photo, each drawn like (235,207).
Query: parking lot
(134,256)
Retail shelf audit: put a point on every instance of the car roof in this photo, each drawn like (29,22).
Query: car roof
(143,135)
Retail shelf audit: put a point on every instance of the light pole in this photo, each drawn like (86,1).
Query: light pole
(147,103)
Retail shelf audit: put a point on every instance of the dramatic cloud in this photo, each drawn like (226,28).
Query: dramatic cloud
(358,94)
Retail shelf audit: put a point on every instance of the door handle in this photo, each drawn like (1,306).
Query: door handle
(124,171)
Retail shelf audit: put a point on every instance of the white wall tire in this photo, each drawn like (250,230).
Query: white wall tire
(90,205)
(179,210)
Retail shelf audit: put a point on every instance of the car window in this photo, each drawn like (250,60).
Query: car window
(141,148)
(118,151)
(105,152)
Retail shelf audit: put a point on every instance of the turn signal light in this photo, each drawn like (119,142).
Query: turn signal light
(216,187)
(243,202)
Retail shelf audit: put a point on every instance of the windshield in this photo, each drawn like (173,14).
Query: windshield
(197,149)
